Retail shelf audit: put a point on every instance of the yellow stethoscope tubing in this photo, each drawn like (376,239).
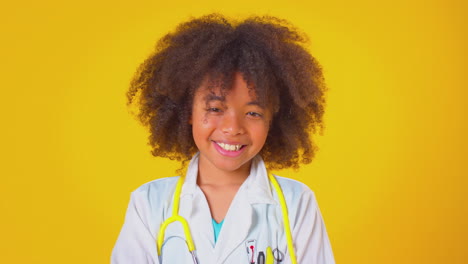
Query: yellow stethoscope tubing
(284,212)
(191,246)
(174,218)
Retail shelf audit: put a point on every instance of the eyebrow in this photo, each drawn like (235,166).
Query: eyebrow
(257,103)
(213,97)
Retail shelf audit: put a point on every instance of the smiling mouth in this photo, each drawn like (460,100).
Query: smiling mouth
(229,147)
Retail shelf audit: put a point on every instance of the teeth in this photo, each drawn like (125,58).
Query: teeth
(229,147)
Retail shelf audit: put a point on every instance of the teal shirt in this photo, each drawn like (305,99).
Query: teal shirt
(216,228)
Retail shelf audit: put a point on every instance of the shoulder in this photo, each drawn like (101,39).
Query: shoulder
(159,185)
(298,195)
(155,192)
(293,187)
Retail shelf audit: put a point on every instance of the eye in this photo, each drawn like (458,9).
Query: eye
(254,114)
(213,109)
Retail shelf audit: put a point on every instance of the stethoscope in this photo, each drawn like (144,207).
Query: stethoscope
(188,237)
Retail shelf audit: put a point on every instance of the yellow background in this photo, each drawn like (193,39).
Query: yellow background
(388,176)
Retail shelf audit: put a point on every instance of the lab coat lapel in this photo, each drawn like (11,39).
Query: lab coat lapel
(236,226)
(194,208)
(239,219)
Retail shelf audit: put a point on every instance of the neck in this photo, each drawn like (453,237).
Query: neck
(210,175)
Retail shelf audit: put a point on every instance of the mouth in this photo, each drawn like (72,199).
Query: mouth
(229,147)
(229,150)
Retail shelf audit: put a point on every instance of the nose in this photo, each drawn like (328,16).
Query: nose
(232,124)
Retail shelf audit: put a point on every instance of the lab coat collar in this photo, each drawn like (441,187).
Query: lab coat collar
(190,184)
(257,185)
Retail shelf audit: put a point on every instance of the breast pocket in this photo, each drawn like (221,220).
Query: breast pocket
(268,231)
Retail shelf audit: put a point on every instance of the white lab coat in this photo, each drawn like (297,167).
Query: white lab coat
(254,218)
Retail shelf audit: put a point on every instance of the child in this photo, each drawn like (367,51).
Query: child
(232,98)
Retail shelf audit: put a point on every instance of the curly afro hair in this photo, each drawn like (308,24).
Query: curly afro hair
(271,56)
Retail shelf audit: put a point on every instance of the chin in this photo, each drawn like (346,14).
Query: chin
(230,166)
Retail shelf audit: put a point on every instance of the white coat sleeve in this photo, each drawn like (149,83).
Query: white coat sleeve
(135,243)
(309,234)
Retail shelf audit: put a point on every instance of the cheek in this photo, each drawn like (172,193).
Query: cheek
(260,133)
(203,125)
(206,122)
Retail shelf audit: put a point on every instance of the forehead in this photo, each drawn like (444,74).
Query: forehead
(236,88)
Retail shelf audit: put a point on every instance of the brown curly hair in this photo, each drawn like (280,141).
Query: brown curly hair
(271,56)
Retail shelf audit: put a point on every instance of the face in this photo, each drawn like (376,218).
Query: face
(228,131)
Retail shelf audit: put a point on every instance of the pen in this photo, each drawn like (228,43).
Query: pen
(261,258)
